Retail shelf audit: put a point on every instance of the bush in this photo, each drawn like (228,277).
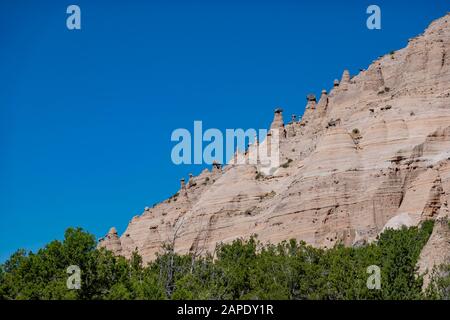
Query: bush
(243,269)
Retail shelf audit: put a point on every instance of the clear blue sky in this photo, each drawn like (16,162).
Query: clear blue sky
(86,116)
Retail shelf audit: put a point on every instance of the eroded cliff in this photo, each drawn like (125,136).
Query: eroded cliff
(373,153)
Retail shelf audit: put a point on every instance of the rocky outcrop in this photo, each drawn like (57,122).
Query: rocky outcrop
(437,250)
(373,153)
(111,242)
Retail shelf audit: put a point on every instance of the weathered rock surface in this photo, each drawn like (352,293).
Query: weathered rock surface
(372,153)
(112,241)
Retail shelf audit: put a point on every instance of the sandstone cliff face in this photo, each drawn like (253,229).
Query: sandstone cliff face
(373,153)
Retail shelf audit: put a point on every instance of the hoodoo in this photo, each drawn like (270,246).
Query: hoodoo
(277,119)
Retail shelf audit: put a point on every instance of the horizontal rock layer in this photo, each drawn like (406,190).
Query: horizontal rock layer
(373,153)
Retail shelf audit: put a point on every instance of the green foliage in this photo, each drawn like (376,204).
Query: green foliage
(238,270)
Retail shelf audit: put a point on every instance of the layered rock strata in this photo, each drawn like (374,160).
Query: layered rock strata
(371,154)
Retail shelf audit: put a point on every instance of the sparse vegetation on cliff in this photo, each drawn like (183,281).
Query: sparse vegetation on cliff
(287,163)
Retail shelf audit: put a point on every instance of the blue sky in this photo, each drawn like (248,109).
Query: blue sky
(86,116)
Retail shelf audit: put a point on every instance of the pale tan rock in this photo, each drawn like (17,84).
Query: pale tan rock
(373,153)
(111,242)
(277,119)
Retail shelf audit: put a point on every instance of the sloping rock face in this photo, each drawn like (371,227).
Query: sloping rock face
(437,250)
(373,153)
(112,241)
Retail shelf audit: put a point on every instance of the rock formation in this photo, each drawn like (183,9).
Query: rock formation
(373,153)
(277,119)
(112,241)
